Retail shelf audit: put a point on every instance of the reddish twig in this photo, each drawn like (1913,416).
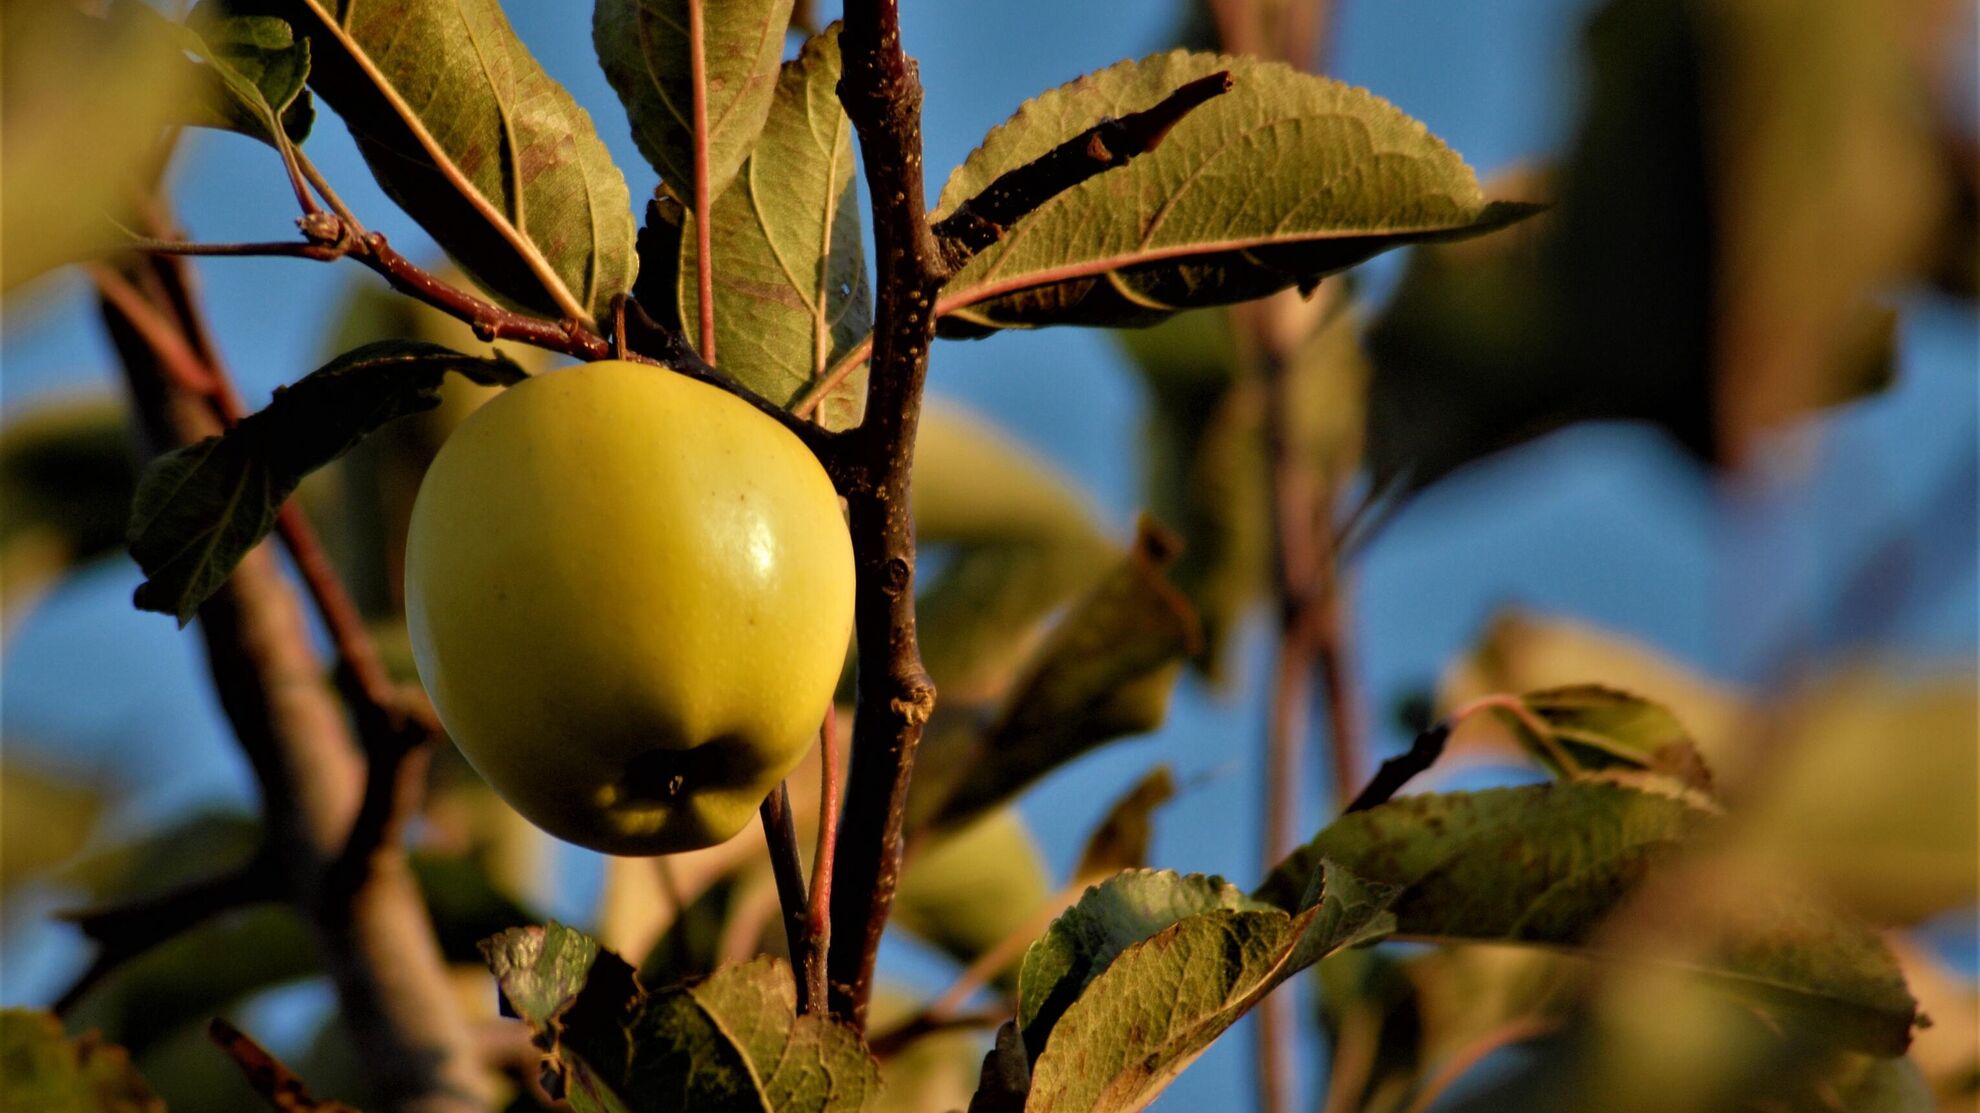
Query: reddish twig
(266,1075)
(818,909)
(704,266)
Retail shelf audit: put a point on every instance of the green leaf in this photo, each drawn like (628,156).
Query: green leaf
(1147,977)
(1122,838)
(1549,864)
(1597,728)
(731,1041)
(643,46)
(1329,175)
(258,70)
(967,891)
(1022,541)
(45,1071)
(468,134)
(1205,467)
(1105,671)
(199,509)
(791,294)
(45,818)
(1111,917)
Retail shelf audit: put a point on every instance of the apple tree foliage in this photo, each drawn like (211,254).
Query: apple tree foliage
(1571,899)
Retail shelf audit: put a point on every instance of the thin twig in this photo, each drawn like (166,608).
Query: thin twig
(982,220)
(897,1039)
(266,1075)
(704,266)
(985,218)
(1399,770)
(780,833)
(818,908)
(1517,1030)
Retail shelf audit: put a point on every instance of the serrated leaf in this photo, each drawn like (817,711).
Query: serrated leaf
(258,71)
(1105,671)
(643,47)
(791,293)
(1283,180)
(46,1071)
(1158,973)
(731,1041)
(466,131)
(1549,864)
(1111,917)
(199,509)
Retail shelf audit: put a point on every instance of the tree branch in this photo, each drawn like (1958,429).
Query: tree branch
(818,908)
(376,939)
(881,91)
(983,219)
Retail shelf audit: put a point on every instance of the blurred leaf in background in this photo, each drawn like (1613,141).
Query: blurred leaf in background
(1748,180)
(67,473)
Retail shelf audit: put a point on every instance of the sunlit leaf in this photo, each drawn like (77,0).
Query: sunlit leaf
(199,509)
(1329,175)
(791,293)
(114,81)
(1133,983)
(45,818)
(1550,864)
(643,46)
(468,134)
(1587,728)
(46,1071)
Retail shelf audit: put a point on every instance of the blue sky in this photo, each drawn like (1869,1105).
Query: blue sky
(1597,523)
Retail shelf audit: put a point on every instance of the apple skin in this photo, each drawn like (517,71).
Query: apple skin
(629,596)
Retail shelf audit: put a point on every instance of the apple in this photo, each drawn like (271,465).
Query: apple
(629,596)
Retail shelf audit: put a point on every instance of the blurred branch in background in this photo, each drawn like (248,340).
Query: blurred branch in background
(332,802)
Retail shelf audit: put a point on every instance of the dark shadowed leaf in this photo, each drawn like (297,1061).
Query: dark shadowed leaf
(643,47)
(1330,175)
(1105,671)
(1133,983)
(470,136)
(1550,864)
(44,1070)
(731,1041)
(67,472)
(199,509)
(1006,1076)
(791,293)
(257,70)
